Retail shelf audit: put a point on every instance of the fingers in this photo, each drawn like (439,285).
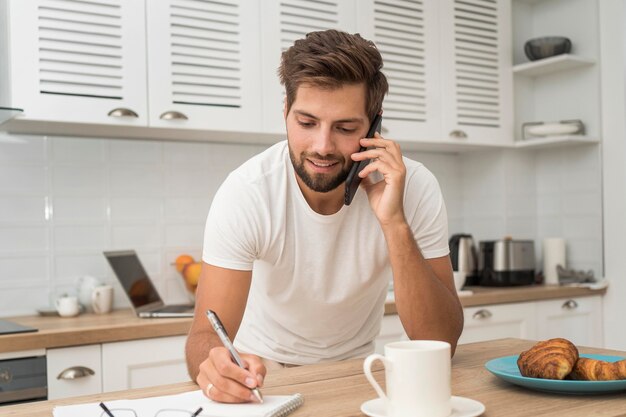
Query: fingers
(255,365)
(229,382)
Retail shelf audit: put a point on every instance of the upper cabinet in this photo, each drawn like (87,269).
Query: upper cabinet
(407,36)
(75,61)
(193,69)
(476,64)
(203,65)
(282,23)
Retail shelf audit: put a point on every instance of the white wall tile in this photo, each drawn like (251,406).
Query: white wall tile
(136,209)
(184,234)
(78,180)
(135,236)
(71,267)
(186,209)
(135,151)
(79,209)
(78,150)
(22,301)
(186,154)
(23,239)
(15,271)
(79,238)
(22,180)
(22,148)
(136,180)
(22,209)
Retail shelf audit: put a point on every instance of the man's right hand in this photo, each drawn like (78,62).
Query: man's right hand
(224,381)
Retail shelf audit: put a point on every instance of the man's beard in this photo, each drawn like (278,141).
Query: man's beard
(321,183)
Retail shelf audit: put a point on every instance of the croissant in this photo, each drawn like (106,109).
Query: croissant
(596,370)
(550,359)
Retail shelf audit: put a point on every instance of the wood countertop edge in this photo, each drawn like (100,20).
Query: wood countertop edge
(503,295)
(123,325)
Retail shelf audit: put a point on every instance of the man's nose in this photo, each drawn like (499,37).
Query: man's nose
(323,142)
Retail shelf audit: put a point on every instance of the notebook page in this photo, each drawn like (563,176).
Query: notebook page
(148,407)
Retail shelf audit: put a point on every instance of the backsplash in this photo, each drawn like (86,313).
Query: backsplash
(65,200)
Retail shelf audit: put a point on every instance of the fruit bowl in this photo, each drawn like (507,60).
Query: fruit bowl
(190,271)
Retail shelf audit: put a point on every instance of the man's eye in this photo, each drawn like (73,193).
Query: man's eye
(305,124)
(346,130)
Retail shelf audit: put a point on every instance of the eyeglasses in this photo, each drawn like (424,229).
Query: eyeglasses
(128,412)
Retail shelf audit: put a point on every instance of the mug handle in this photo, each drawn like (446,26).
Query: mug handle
(367,369)
(94,301)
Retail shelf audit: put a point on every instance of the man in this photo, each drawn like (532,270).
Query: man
(294,274)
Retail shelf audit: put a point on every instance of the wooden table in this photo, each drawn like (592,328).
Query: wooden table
(338,389)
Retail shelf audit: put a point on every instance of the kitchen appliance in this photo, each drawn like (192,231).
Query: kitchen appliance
(23,380)
(463,256)
(506,262)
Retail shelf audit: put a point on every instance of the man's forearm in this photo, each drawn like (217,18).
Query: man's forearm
(427,308)
(197,350)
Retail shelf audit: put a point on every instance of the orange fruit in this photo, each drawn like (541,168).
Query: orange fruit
(182,261)
(192,273)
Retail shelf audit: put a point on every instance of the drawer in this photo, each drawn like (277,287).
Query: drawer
(74,371)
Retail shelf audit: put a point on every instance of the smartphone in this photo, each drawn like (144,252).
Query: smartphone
(353,180)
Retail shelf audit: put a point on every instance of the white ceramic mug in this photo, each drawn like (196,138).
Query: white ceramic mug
(102,299)
(67,306)
(417,375)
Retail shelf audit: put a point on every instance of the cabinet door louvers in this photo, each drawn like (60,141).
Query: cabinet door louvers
(80,48)
(476,56)
(205,53)
(399,34)
(299,17)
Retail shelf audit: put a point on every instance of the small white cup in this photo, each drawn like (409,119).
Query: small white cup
(102,299)
(67,306)
(417,375)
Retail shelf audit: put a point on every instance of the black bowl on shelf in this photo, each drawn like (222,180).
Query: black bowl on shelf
(547,46)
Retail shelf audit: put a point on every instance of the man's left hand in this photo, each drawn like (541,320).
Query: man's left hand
(386,196)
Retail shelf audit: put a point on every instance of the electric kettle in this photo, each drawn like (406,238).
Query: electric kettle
(463,255)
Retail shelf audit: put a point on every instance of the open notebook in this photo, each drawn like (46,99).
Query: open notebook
(273,406)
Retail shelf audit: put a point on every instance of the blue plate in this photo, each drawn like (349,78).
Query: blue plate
(506,369)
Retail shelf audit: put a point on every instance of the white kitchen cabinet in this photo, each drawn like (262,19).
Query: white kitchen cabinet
(74,371)
(576,319)
(407,36)
(79,62)
(475,66)
(143,363)
(282,23)
(498,321)
(204,65)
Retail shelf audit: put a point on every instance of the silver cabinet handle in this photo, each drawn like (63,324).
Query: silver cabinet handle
(458,134)
(569,305)
(482,314)
(173,115)
(122,112)
(5,376)
(75,372)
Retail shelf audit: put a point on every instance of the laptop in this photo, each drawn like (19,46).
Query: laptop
(137,285)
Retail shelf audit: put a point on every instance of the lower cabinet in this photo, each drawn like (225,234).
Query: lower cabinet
(577,319)
(93,369)
(143,363)
(74,371)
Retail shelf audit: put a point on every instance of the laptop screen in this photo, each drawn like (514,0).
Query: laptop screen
(133,277)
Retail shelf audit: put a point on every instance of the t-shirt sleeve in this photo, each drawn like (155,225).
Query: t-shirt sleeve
(426,213)
(232,227)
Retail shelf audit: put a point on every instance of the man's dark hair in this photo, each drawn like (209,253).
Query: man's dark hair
(330,59)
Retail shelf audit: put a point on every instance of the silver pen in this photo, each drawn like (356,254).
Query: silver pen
(221,332)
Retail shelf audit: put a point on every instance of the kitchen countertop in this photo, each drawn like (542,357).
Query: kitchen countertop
(338,389)
(123,325)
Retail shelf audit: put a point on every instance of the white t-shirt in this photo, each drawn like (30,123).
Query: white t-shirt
(319,282)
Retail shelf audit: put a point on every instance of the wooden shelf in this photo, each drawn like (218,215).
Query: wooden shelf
(556,141)
(553,64)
